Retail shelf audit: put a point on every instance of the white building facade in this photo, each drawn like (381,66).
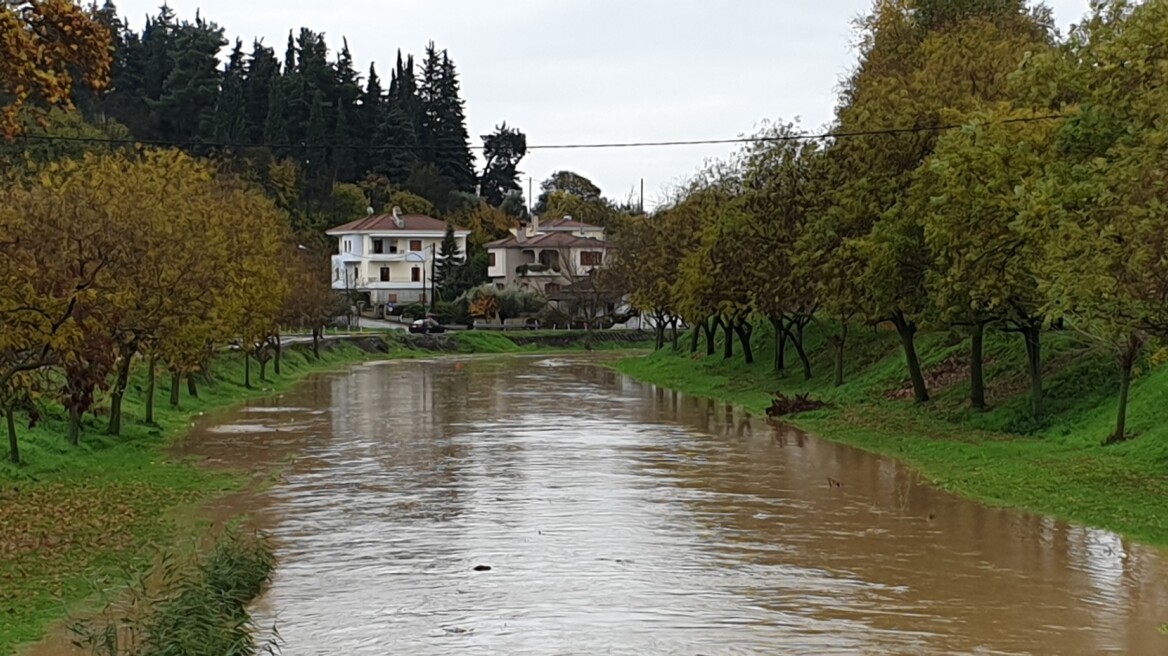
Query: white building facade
(547,257)
(390,256)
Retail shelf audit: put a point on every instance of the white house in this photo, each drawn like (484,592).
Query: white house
(547,257)
(390,256)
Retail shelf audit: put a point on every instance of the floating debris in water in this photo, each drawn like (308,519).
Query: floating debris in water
(482,568)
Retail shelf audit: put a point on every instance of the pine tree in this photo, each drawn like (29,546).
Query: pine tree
(444,137)
(263,72)
(446,266)
(368,120)
(276,123)
(230,115)
(503,149)
(344,162)
(186,107)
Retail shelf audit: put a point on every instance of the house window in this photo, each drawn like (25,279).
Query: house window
(393,246)
(416,274)
(590,258)
(384,274)
(491,259)
(378,246)
(336,274)
(551,288)
(415,244)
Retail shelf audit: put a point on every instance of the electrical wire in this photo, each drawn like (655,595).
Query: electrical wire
(563,146)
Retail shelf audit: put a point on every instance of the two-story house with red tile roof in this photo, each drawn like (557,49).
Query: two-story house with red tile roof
(390,256)
(547,256)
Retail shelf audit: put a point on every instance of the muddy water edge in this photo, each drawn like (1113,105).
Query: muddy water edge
(533,505)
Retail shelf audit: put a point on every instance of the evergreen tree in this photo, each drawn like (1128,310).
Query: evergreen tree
(263,72)
(395,145)
(314,155)
(446,266)
(444,137)
(186,107)
(503,149)
(344,161)
(276,123)
(230,114)
(372,107)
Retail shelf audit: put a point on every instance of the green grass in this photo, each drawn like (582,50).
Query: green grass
(75,520)
(1003,456)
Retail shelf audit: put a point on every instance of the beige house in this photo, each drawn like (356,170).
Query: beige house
(547,257)
(390,256)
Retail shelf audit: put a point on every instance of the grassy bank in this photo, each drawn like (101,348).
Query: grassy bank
(75,520)
(1004,456)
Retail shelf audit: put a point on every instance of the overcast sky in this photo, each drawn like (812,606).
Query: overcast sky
(572,71)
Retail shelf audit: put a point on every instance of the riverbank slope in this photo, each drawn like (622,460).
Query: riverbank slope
(1055,465)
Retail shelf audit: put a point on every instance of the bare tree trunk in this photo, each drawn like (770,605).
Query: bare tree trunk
(709,325)
(279,346)
(673,328)
(192,387)
(74,426)
(907,331)
(13,443)
(175,387)
(316,343)
(780,337)
(1033,335)
(744,330)
(246,370)
(976,370)
(1127,362)
(728,345)
(695,334)
(150,378)
(840,344)
(119,391)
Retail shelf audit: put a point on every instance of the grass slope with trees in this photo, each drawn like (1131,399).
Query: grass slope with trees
(992,205)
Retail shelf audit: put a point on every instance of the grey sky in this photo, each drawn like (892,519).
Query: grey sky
(595,70)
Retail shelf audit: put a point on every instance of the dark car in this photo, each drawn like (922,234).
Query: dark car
(427,326)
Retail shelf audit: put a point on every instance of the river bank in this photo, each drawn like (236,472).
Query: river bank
(1055,465)
(78,521)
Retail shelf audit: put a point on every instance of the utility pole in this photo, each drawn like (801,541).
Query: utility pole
(530,198)
(642,195)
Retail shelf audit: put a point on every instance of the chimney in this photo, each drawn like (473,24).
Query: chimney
(397,218)
(521,232)
(533,227)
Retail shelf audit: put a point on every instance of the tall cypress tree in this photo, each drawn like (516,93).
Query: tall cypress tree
(368,119)
(444,136)
(263,72)
(186,107)
(230,121)
(276,123)
(446,266)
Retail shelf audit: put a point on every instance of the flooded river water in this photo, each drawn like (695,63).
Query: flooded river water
(619,518)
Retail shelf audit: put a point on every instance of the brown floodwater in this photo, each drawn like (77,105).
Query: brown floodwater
(620,518)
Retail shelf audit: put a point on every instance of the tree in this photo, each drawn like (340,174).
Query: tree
(782,194)
(446,267)
(44,46)
(569,183)
(185,108)
(443,134)
(972,195)
(502,149)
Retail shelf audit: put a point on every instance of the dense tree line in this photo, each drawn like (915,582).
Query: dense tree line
(1043,210)
(306,115)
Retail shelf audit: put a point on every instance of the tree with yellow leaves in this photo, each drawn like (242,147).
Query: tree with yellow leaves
(46,46)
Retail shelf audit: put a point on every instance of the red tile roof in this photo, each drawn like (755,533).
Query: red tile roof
(550,240)
(385,223)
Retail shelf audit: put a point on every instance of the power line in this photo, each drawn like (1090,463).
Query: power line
(563,146)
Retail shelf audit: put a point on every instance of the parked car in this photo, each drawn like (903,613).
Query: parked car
(427,326)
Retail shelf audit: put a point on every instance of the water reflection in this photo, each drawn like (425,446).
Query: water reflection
(622,518)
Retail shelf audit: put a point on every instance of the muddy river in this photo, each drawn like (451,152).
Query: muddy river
(619,518)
